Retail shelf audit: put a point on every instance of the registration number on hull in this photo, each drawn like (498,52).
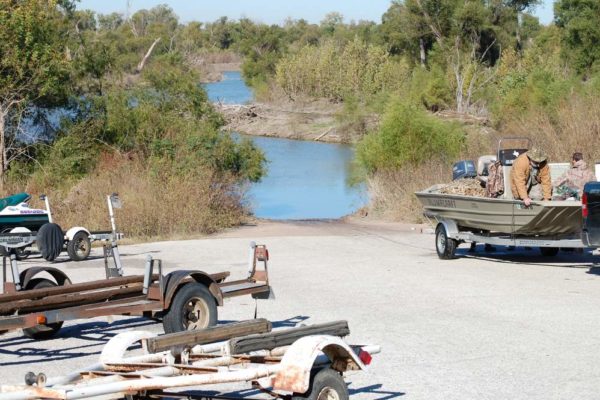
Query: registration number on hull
(446,203)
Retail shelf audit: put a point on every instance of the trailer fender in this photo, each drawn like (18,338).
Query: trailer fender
(28,274)
(450,226)
(174,280)
(299,359)
(20,229)
(114,350)
(72,231)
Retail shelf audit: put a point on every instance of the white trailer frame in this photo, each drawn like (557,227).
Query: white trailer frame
(88,236)
(278,372)
(447,229)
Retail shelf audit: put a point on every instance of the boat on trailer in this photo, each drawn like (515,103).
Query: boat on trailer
(503,215)
(549,225)
(16,213)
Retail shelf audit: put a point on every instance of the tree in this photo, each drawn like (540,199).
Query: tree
(110,22)
(519,6)
(34,67)
(578,20)
(405,30)
(331,21)
(466,37)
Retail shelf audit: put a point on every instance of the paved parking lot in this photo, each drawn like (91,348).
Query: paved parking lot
(484,326)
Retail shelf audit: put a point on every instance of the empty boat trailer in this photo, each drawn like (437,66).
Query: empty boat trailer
(305,362)
(184,299)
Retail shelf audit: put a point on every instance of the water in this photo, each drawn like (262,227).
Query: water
(305,180)
(231,90)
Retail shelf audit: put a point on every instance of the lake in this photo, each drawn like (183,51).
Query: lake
(305,179)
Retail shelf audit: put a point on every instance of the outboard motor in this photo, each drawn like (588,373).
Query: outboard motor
(464,169)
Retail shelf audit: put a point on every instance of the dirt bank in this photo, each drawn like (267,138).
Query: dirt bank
(214,72)
(317,120)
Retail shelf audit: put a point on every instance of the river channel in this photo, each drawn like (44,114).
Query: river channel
(305,179)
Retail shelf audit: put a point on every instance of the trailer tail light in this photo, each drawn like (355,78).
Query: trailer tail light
(365,357)
(584,205)
(261,253)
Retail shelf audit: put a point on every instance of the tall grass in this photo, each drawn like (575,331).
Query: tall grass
(155,203)
(573,126)
(393,190)
(336,71)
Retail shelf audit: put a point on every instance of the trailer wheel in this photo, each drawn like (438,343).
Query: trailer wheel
(79,248)
(445,246)
(45,331)
(192,308)
(327,384)
(549,251)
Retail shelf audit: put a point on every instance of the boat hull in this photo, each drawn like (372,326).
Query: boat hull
(30,221)
(544,218)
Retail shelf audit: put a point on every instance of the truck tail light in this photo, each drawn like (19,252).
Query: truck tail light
(584,205)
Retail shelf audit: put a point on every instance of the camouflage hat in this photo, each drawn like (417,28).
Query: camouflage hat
(536,155)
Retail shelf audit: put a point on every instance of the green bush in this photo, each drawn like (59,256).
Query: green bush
(430,88)
(408,136)
(72,155)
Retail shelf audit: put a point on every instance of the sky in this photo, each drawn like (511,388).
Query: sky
(269,11)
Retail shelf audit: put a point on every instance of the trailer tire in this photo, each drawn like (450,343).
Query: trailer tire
(44,331)
(79,247)
(50,241)
(549,251)
(192,308)
(444,246)
(326,384)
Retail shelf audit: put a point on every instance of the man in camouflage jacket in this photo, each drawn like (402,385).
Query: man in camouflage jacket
(573,180)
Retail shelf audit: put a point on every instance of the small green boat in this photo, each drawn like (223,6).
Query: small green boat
(16,213)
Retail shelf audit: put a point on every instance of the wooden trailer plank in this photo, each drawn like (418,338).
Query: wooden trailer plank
(243,288)
(178,341)
(68,300)
(75,287)
(269,341)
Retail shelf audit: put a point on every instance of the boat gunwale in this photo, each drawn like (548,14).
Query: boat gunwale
(546,203)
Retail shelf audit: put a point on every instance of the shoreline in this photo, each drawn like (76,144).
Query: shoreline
(214,72)
(305,119)
(314,121)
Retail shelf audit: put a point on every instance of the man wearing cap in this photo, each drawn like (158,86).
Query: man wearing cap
(529,169)
(571,183)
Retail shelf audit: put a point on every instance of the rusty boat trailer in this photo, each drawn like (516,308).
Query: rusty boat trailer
(295,363)
(184,299)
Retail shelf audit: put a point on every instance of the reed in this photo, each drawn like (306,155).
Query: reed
(156,203)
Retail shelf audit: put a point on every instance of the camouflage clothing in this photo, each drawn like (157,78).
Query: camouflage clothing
(573,180)
(495,182)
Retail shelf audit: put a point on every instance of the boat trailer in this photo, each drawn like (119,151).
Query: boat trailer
(184,299)
(305,362)
(448,236)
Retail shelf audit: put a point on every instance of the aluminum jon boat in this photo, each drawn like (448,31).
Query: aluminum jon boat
(549,225)
(543,218)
